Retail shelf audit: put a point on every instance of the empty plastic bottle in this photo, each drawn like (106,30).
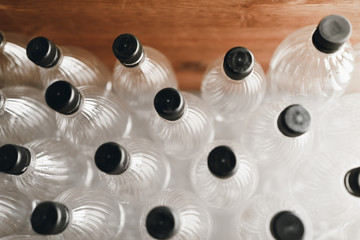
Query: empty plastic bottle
(278,133)
(181,123)
(87,116)
(314,62)
(73,64)
(234,85)
(43,168)
(140,72)
(23,117)
(14,208)
(341,125)
(175,214)
(224,176)
(327,185)
(79,213)
(132,168)
(15,67)
(270,217)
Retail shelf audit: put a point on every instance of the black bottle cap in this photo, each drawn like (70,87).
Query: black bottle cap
(1,37)
(352,181)
(161,223)
(127,49)
(294,121)
(238,63)
(50,218)
(112,158)
(331,33)
(169,104)
(63,97)
(222,162)
(287,226)
(43,52)
(14,159)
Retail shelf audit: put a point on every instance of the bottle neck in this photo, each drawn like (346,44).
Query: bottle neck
(137,63)
(2,102)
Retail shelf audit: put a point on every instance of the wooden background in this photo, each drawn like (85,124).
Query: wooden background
(191,33)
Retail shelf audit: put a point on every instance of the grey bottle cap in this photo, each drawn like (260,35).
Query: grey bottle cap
(331,33)
(294,121)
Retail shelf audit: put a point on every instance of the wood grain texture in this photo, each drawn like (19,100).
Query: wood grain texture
(190,33)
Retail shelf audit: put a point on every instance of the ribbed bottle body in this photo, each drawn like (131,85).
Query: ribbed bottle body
(194,220)
(148,172)
(231,99)
(341,124)
(23,117)
(15,68)
(23,237)
(267,143)
(320,185)
(94,215)
(255,220)
(101,117)
(351,230)
(186,136)
(297,68)
(138,85)
(14,208)
(225,193)
(354,85)
(79,67)
(55,166)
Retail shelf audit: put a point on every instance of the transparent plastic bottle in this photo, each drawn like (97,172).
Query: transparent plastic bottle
(224,176)
(73,64)
(175,214)
(79,213)
(278,133)
(341,125)
(23,117)
(181,123)
(327,186)
(140,72)
(132,168)
(271,217)
(234,85)
(43,168)
(314,62)
(87,116)
(14,208)
(15,67)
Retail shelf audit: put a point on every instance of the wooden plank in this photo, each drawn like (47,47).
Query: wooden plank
(190,33)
